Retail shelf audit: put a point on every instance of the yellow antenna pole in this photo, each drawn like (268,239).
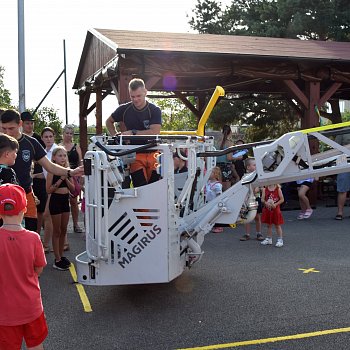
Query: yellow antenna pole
(326,127)
(219,91)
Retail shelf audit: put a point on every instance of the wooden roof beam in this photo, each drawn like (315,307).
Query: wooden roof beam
(329,93)
(298,94)
(187,103)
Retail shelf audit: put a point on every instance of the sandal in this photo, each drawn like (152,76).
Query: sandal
(301,215)
(66,247)
(77,229)
(245,238)
(308,213)
(259,237)
(338,217)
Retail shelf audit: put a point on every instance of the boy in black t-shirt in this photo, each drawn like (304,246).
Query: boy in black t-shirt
(8,154)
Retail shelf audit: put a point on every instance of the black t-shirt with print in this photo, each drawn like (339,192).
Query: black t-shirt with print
(29,150)
(138,119)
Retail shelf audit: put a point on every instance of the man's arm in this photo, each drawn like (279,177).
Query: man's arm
(110,126)
(59,170)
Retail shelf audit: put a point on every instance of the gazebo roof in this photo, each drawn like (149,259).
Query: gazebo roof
(199,62)
(124,41)
(303,72)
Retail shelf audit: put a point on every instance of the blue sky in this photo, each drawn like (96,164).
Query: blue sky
(48,22)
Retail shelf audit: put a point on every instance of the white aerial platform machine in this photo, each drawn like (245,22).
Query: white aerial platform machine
(151,234)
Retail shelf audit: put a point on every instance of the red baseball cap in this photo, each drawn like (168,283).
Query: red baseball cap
(13,199)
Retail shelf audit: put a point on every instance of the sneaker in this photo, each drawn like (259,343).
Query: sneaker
(65,260)
(279,243)
(267,241)
(245,238)
(301,215)
(308,213)
(60,265)
(259,237)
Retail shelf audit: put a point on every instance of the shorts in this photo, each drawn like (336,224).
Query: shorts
(34,333)
(259,210)
(226,171)
(305,183)
(31,206)
(343,182)
(59,203)
(148,162)
(39,189)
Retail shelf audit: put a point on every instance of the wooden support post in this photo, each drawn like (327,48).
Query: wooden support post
(311,120)
(201,103)
(123,88)
(99,112)
(83,104)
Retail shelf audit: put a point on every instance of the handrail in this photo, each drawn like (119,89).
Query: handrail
(124,153)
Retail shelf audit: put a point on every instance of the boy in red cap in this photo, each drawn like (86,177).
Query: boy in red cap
(23,259)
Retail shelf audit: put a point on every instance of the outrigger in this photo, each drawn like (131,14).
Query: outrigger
(151,234)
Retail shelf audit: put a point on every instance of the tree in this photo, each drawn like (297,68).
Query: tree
(346,116)
(5,96)
(47,116)
(307,19)
(304,19)
(175,116)
(268,118)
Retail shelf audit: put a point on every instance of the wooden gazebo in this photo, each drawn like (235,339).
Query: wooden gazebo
(305,73)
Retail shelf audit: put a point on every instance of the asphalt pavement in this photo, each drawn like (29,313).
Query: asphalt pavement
(241,295)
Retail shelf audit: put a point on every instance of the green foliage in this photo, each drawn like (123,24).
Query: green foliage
(266,118)
(307,19)
(346,116)
(47,116)
(5,96)
(304,19)
(175,116)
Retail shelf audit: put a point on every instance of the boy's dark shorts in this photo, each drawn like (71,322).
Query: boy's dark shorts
(258,199)
(306,183)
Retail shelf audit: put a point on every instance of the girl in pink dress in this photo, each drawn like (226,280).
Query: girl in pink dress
(272,198)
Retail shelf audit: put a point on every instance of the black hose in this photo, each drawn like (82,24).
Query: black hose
(129,151)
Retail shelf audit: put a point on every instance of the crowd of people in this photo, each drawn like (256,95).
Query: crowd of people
(40,183)
(36,182)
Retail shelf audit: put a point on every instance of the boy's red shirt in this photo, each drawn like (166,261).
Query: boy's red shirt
(20,297)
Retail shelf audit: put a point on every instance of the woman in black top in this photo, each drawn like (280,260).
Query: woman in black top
(74,159)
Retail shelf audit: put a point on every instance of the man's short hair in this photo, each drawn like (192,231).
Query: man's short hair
(248,161)
(7,143)
(10,115)
(136,83)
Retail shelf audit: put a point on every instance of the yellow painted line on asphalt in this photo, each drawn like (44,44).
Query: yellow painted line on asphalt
(83,297)
(311,269)
(270,340)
